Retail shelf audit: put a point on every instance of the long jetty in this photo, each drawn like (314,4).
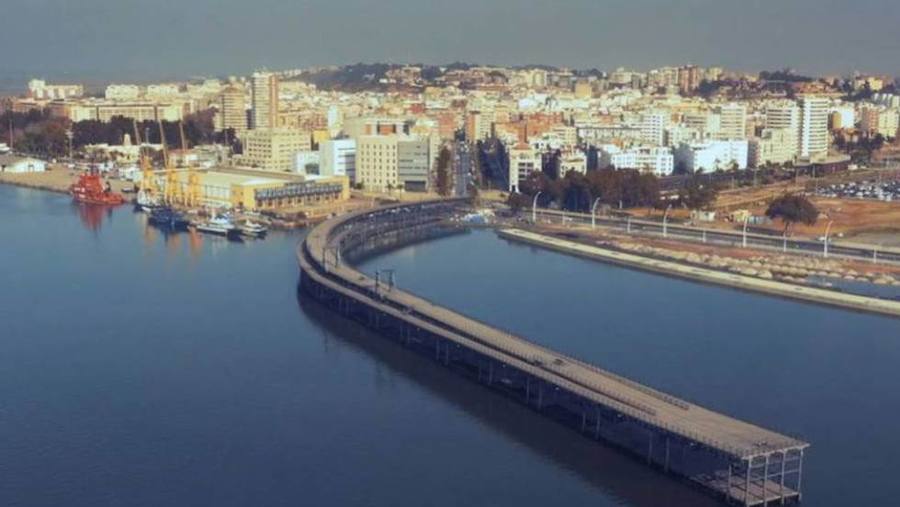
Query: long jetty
(740,461)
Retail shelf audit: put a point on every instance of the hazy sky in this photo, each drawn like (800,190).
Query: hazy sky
(128,39)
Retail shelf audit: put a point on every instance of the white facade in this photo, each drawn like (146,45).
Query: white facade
(773,146)
(575,161)
(653,128)
(273,149)
(14,164)
(122,92)
(337,157)
(785,115)
(813,127)
(653,159)
(712,155)
(307,162)
(523,160)
(376,162)
(732,122)
(40,89)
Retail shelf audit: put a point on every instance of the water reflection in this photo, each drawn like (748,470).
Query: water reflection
(614,473)
(92,215)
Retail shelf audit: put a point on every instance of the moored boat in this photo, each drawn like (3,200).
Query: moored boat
(90,189)
(167,218)
(220,226)
(253,229)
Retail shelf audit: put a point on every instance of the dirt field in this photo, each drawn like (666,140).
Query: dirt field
(57,179)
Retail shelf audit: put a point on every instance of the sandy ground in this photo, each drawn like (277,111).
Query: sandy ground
(57,179)
(851,217)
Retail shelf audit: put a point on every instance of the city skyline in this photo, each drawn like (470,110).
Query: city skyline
(103,40)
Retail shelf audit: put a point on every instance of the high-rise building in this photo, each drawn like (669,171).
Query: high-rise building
(689,78)
(232,109)
(653,128)
(785,116)
(479,125)
(813,127)
(733,122)
(264,100)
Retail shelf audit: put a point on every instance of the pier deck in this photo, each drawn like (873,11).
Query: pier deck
(759,460)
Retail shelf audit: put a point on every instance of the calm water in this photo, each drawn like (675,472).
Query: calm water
(141,371)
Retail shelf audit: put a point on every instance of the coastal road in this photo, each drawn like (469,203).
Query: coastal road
(680,232)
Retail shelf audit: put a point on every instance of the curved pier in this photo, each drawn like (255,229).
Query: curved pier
(742,462)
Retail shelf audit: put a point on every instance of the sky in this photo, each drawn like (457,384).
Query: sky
(102,40)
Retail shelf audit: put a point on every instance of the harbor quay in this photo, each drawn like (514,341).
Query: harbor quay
(736,460)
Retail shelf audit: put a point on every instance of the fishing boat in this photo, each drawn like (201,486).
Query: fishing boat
(220,226)
(168,219)
(253,229)
(145,201)
(90,189)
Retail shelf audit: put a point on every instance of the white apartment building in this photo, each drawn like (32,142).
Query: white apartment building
(163,90)
(337,157)
(813,127)
(572,161)
(773,146)
(785,115)
(732,122)
(879,120)
(273,149)
(652,159)
(523,160)
(40,89)
(105,110)
(712,155)
(653,128)
(122,92)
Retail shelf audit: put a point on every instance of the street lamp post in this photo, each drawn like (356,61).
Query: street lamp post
(534,208)
(666,221)
(825,246)
(594,213)
(784,242)
(744,235)
(875,253)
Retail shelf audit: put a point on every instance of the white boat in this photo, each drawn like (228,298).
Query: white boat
(145,201)
(253,229)
(220,226)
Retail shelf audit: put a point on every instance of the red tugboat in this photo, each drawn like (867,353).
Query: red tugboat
(90,189)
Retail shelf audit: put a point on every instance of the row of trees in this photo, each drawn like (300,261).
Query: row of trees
(35,132)
(577,192)
(39,133)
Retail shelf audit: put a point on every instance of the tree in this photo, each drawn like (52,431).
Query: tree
(695,195)
(442,177)
(792,209)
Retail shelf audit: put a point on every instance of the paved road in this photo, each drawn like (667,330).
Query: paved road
(847,250)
